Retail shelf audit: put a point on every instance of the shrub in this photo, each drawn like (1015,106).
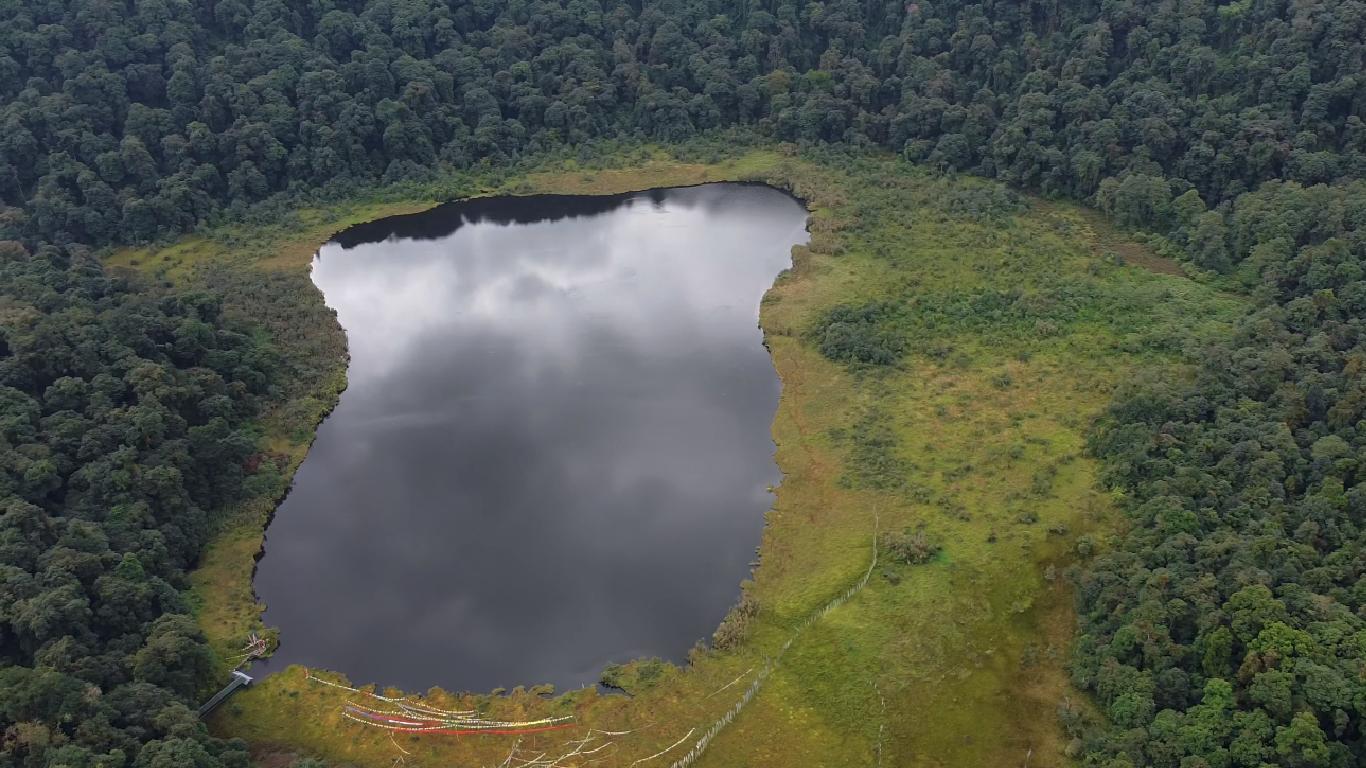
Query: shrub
(860,335)
(910,547)
(735,627)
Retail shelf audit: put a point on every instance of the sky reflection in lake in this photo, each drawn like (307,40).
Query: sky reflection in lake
(554,450)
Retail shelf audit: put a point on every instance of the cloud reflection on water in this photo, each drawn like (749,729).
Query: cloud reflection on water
(554,448)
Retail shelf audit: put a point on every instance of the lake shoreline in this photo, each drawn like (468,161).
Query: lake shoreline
(976,614)
(499,301)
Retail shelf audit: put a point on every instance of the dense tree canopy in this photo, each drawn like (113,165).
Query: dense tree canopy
(121,418)
(122,121)
(1226,629)
(1229,628)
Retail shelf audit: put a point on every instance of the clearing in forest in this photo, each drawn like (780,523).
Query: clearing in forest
(944,346)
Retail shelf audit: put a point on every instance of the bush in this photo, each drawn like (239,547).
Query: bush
(910,547)
(860,335)
(735,627)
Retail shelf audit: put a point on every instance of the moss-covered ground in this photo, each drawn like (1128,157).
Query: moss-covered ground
(1014,319)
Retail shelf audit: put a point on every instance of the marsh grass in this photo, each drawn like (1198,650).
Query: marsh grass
(998,332)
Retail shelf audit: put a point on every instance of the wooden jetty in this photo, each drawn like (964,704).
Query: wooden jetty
(239,679)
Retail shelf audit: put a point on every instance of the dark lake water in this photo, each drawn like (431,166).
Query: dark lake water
(555,448)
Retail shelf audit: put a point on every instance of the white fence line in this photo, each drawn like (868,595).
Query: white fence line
(701,746)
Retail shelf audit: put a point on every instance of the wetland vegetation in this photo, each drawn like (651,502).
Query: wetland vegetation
(1108,474)
(970,443)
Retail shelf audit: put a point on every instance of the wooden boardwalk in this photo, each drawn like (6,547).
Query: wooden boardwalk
(239,680)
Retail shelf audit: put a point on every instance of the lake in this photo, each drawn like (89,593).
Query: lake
(555,449)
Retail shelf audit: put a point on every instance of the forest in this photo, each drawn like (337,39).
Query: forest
(1225,628)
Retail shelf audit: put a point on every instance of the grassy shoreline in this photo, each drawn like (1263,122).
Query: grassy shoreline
(955,662)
